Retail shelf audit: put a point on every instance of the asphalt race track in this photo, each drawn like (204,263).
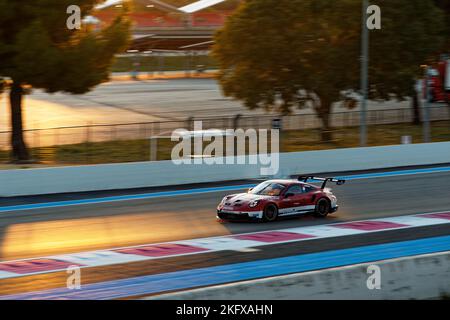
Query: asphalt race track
(49,231)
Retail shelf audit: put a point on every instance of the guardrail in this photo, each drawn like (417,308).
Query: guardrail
(166,173)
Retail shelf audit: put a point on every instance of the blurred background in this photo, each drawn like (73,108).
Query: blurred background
(166,78)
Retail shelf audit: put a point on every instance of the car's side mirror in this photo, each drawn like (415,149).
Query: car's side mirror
(288,195)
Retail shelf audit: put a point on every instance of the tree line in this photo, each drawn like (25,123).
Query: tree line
(284,54)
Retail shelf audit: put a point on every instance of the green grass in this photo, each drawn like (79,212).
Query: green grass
(292,141)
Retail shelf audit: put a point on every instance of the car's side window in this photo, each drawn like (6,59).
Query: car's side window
(308,189)
(295,189)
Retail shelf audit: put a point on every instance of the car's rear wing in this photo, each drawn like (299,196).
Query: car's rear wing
(325,180)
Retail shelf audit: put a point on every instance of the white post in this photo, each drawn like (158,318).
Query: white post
(153,148)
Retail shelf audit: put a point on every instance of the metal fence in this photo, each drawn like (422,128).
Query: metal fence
(90,134)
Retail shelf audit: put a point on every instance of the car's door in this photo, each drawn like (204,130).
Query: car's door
(294,200)
(309,197)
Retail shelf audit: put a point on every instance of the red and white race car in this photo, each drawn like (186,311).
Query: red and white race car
(279,198)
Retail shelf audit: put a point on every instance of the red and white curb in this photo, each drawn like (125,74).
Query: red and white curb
(239,242)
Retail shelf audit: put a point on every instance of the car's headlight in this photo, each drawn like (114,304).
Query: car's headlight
(253,204)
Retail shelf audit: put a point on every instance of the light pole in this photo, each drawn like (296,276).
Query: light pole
(364,73)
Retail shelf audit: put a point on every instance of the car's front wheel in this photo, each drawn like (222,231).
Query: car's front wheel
(270,213)
(322,208)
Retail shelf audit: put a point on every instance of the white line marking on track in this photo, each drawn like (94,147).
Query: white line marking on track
(99,258)
(246,250)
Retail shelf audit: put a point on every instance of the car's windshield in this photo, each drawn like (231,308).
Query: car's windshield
(268,189)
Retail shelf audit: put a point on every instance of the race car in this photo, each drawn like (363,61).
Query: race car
(272,199)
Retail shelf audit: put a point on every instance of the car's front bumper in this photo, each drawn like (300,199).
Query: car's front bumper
(239,215)
(334,209)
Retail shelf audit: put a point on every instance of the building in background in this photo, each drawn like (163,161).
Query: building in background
(172,24)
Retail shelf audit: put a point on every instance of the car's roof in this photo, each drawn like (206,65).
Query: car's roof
(284,181)
(288,182)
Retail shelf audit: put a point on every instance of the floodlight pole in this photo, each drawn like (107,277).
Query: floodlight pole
(364,74)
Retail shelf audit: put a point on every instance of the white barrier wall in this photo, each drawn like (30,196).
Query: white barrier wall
(365,158)
(420,277)
(164,173)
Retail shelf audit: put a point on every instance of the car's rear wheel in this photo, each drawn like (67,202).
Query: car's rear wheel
(270,213)
(322,208)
